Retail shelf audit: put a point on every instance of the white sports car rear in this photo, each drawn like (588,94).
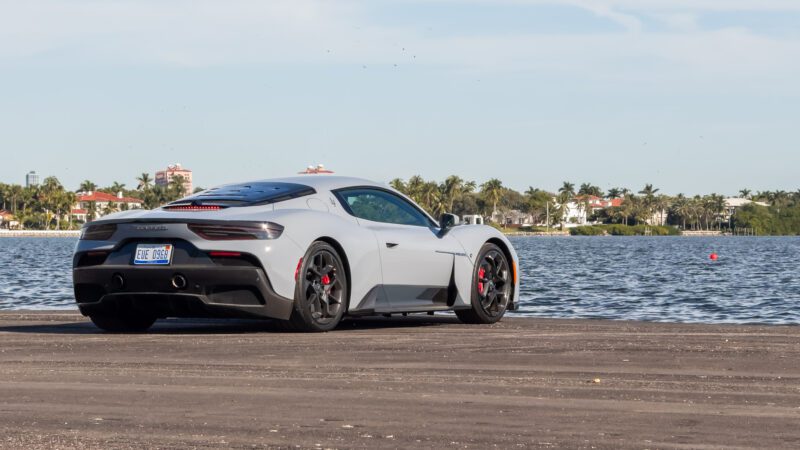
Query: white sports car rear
(304,250)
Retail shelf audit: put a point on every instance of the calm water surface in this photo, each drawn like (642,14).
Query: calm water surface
(658,278)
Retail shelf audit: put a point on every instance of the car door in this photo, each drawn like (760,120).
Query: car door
(416,263)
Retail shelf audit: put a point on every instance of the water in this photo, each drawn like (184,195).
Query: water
(36,273)
(662,278)
(642,278)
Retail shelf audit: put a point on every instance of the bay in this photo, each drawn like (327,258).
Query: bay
(667,279)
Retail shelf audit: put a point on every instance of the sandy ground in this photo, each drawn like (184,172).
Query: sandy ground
(424,383)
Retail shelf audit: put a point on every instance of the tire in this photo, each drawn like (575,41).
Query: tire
(491,287)
(320,298)
(130,323)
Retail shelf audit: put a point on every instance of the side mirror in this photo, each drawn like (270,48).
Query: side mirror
(446,222)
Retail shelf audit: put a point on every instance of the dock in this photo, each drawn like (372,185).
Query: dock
(415,382)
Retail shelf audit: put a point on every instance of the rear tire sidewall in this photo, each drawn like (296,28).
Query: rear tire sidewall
(301,314)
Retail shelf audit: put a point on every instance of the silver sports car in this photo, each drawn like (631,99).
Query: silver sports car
(304,250)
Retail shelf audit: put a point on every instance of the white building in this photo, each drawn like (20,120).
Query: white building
(472,219)
(734,203)
(574,214)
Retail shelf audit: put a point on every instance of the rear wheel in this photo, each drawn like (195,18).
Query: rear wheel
(491,287)
(321,293)
(119,323)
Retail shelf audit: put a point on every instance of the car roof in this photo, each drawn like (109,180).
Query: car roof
(326,182)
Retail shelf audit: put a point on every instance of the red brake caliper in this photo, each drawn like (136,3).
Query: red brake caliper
(481,274)
(326,280)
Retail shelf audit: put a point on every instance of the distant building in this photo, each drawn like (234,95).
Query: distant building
(575,213)
(103,203)
(315,170)
(164,177)
(512,219)
(31,179)
(472,219)
(734,203)
(7,220)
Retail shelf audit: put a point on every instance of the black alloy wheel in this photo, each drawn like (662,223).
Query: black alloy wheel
(321,292)
(491,287)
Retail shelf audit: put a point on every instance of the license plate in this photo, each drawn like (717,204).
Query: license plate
(153,254)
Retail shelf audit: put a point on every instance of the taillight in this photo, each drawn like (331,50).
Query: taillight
(193,208)
(237,231)
(98,232)
(224,254)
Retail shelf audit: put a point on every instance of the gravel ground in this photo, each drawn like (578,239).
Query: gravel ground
(415,382)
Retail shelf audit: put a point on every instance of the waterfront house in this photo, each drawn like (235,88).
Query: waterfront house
(734,203)
(92,205)
(7,220)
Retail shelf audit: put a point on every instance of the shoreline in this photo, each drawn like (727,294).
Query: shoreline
(40,233)
(387,383)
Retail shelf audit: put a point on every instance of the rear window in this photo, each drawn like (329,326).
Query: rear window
(246,194)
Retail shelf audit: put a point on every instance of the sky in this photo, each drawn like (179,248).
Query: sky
(693,96)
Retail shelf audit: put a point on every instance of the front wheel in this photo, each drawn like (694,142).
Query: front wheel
(128,323)
(491,287)
(321,293)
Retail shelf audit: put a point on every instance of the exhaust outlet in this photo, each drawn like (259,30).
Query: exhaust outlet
(179,282)
(117,281)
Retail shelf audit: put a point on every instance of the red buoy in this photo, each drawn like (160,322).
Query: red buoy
(713,257)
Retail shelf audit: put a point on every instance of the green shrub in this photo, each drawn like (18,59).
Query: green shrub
(623,230)
(587,231)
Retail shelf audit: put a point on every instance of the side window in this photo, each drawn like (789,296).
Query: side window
(381,206)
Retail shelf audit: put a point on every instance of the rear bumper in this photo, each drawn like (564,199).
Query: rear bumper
(216,291)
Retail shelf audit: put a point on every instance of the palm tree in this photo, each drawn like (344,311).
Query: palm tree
(48,198)
(398,185)
(110,208)
(680,208)
(431,196)
(568,189)
(649,195)
(453,188)
(744,193)
(414,186)
(582,204)
(589,189)
(68,200)
(716,208)
(177,186)
(4,188)
(117,187)
(15,193)
(614,193)
(87,186)
(632,207)
(492,192)
(780,198)
(144,182)
(661,203)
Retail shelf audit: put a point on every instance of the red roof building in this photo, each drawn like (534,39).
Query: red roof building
(102,204)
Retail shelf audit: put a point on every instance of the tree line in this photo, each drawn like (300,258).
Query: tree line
(646,205)
(48,206)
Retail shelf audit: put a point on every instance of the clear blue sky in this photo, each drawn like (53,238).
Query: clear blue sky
(695,96)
